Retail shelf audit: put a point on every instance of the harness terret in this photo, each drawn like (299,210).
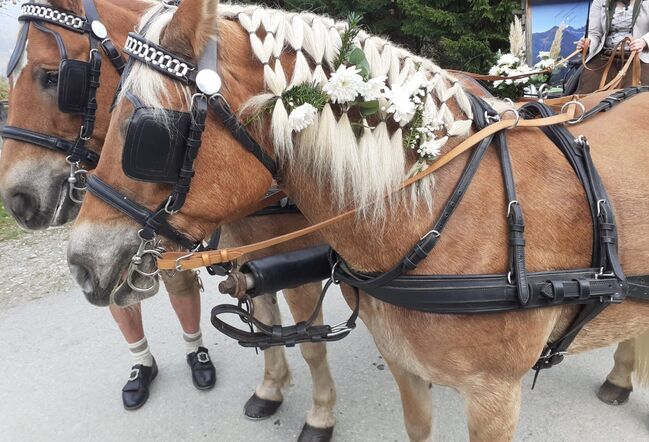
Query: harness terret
(77,82)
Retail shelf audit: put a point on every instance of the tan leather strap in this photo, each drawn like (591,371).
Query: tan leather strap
(483,77)
(181,261)
(634,59)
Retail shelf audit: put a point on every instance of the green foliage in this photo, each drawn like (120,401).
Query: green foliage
(462,35)
(4,88)
(305,93)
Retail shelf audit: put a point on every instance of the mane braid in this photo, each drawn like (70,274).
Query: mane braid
(357,172)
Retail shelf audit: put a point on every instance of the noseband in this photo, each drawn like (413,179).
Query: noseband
(77,83)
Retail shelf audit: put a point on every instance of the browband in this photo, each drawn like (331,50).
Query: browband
(50,14)
(159,59)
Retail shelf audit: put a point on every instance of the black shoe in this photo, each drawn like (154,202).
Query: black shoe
(136,391)
(203,372)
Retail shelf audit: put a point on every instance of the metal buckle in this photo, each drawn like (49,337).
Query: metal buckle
(135,373)
(339,329)
(202,357)
(77,175)
(510,278)
(333,270)
(491,118)
(602,274)
(600,203)
(432,232)
(179,267)
(169,202)
(509,207)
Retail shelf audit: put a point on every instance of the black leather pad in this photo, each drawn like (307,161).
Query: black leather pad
(153,153)
(73,86)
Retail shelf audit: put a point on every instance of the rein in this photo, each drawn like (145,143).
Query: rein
(183,261)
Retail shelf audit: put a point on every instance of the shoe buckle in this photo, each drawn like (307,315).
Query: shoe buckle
(135,373)
(203,357)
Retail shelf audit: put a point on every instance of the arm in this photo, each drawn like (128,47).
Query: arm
(595,31)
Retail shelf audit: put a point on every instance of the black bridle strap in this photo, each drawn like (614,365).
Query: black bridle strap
(50,142)
(19,49)
(220,107)
(135,211)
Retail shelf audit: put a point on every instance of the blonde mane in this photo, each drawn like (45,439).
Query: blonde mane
(359,172)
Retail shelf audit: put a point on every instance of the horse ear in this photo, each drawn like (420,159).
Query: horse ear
(75,6)
(189,30)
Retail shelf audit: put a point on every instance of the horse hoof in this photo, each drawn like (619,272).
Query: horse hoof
(611,394)
(258,409)
(313,434)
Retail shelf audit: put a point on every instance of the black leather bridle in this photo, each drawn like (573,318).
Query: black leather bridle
(206,81)
(78,82)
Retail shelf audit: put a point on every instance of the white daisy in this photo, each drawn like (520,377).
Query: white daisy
(373,89)
(432,148)
(344,85)
(302,117)
(401,104)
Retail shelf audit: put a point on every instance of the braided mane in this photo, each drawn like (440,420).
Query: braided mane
(357,171)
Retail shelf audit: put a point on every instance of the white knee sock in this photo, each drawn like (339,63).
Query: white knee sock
(193,341)
(140,353)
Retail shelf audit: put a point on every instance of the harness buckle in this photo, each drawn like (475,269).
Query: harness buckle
(168,205)
(333,271)
(179,266)
(434,232)
(509,207)
(600,203)
(491,118)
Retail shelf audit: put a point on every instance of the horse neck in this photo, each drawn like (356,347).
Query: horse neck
(120,17)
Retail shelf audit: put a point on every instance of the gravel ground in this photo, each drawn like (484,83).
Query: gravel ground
(34,266)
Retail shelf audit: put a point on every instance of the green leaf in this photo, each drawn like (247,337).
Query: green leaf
(357,58)
(369,108)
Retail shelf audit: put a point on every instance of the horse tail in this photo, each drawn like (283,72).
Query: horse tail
(641,366)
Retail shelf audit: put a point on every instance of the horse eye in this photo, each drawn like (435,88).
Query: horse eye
(51,79)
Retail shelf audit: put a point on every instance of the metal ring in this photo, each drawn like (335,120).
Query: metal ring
(579,105)
(333,270)
(543,91)
(516,114)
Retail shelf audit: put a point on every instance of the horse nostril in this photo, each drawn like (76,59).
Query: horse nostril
(23,206)
(83,276)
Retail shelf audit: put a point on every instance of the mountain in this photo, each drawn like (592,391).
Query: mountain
(542,41)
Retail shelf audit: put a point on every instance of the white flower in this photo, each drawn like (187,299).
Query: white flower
(401,104)
(344,85)
(373,89)
(416,82)
(432,148)
(544,55)
(508,59)
(302,117)
(544,63)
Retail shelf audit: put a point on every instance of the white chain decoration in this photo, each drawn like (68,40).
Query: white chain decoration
(143,51)
(45,12)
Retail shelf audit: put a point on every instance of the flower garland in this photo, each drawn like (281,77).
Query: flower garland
(351,86)
(510,65)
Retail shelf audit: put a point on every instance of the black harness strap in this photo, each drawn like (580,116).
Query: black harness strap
(277,335)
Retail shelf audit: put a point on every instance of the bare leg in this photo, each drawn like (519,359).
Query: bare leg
(493,407)
(417,402)
(129,321)
(184,294)
(618,385)
(302,302)
(268,395)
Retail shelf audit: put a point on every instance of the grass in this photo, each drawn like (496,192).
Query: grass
(4,88)
(8,227)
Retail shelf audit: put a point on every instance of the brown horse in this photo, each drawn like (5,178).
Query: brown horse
(34,188)
(482,356)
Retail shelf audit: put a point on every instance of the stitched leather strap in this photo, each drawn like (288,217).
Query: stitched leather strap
(182,261)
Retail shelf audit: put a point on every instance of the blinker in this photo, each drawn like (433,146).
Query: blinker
(73,86)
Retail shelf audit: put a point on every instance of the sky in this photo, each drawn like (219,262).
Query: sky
(8,32)
(549,13)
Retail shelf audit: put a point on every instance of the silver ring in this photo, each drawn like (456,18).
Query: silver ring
(579,105)
(516,114)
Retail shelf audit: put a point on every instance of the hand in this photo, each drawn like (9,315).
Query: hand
(638,45)
(581,43)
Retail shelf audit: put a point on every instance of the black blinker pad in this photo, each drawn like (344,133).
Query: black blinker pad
(152,152)
(73,86)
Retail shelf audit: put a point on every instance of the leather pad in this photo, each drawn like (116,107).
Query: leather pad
(73,86)
(152,152)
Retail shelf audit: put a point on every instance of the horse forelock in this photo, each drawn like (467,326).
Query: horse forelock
(358,173)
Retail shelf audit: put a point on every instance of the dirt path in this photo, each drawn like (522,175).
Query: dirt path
(33,266)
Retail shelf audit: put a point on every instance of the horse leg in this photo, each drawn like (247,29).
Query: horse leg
(320,420)
(268,395)
(492,408)
(416,401)
(618,385)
